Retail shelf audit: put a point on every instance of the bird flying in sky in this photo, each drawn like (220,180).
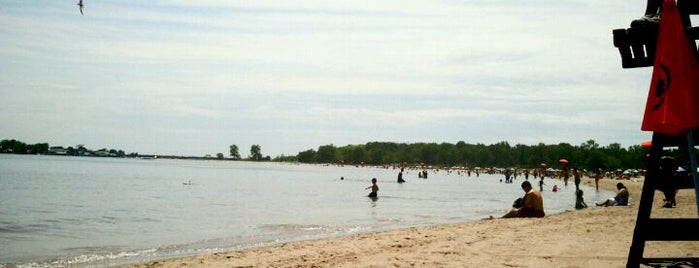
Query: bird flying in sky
(80,4)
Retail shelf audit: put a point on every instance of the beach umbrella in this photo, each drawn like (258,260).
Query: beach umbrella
(647,144)
(543,164)
(563,161)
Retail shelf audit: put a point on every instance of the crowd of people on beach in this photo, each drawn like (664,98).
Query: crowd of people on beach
(531,203)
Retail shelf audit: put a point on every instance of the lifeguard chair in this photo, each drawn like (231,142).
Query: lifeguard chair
(637,47)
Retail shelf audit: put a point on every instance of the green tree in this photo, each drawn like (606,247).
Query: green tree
(354,154)
(233,149)
(39,148)
(589,145)
(255,152)
(308,156)
(219,155)
(326,154)
(13,146)
(284,158)
(588,155)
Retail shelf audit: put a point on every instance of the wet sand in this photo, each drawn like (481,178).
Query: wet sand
(592,237)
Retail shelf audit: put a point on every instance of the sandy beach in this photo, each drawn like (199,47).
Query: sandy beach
(592,237)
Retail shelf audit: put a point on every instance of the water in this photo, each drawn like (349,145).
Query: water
(94,212)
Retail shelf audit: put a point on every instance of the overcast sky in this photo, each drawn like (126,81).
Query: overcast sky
(192,77)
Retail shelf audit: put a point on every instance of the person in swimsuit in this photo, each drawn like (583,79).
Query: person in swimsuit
(578,178)
(400,176)
(374,189)
(621,198)
(579,200)
(532,204)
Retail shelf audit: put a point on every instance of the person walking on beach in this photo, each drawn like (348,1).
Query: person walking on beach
(374,189)
(400,176)
(598,176)
(532,204)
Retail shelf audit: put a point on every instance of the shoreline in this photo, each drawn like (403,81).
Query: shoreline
(592,237)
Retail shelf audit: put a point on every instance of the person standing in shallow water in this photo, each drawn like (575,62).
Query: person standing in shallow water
(578,179)
(374,189)
(400,176)
(598,176)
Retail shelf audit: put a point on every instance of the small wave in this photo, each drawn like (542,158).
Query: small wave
(90,258)
(292,227)
(108,219)
(389,220)
(12,228)
(309,231)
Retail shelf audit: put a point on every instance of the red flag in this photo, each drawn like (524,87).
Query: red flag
(673,100)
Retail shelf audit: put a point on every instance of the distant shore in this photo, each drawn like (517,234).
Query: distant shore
(592,237)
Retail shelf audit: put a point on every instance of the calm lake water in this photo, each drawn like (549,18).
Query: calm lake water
(94,212)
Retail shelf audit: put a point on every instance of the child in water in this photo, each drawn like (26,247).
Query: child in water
(579,200)
(374,189)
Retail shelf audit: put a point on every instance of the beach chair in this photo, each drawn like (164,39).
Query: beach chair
(637,47)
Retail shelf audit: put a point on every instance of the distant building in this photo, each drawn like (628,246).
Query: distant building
(57,150)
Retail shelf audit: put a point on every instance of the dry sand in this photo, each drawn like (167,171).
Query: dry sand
(592,237)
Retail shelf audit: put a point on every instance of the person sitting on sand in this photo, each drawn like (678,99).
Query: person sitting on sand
(621,198)
(579,200)
(374,189)
(532,204)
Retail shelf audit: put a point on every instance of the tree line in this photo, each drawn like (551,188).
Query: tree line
(588,155)
(19,147)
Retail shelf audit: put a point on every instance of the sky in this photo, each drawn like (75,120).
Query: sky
(193,77)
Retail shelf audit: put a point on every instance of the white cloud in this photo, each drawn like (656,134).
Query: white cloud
(318,72)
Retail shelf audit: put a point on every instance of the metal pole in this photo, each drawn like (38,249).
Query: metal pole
(693,160)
